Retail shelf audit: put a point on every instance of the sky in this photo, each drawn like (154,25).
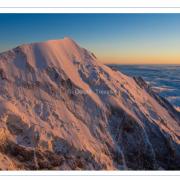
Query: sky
(113,38)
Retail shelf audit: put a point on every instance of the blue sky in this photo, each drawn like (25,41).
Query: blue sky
(114,38)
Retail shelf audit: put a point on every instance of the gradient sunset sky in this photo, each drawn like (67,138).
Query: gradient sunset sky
(114,38)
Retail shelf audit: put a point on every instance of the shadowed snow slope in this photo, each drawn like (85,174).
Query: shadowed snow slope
(62,109)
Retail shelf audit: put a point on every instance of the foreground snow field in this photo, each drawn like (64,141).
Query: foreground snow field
(61,109)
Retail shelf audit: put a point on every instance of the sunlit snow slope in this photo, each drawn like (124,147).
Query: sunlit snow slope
(62,109)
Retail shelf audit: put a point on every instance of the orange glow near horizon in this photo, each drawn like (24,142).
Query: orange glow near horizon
(138,61)
(144,59)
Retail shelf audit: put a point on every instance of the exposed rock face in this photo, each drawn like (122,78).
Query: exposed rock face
(61,109)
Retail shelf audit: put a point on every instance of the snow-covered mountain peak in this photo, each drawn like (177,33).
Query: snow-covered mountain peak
(57,53)
(58,101)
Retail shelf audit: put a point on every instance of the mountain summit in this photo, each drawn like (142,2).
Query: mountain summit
(62,109)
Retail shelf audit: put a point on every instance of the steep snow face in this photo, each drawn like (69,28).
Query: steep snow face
(62,109)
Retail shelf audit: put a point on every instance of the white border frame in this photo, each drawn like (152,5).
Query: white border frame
(79,6)
(89,10)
